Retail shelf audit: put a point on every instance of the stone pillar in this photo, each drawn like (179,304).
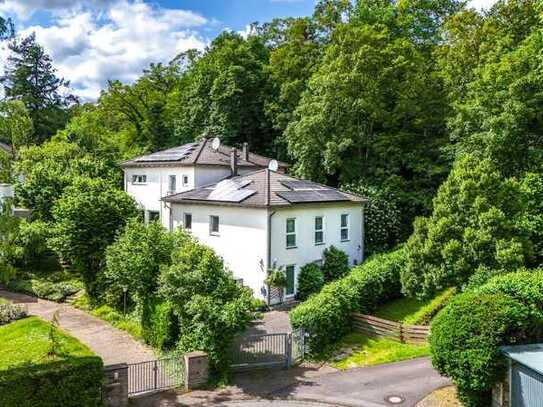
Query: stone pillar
(196,370)
(115,385)
(500,393)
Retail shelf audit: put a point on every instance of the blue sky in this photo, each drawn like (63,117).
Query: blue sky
(92,41)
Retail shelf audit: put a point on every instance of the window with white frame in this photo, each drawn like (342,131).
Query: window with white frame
(344,227)
(153,216)
(185,179)
(319,230)
(172,183)
(187,221)
(291,233)
(213,225)
(139,179)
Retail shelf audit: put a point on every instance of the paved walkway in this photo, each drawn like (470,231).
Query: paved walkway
(110,343)
(272,322)
(362,387)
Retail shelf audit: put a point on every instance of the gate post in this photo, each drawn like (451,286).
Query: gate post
(196,369)
(115,385)
(288,348)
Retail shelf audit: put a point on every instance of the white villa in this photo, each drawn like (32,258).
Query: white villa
(254,217)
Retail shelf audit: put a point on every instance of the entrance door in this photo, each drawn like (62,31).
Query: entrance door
(291,280)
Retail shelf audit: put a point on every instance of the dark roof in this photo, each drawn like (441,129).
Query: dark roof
(252,190)
(201,153)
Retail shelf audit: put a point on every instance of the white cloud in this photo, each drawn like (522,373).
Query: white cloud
(89,47)
(24,9)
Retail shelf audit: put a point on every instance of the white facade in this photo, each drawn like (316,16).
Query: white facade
(6,191)
(148,193)
(250,240)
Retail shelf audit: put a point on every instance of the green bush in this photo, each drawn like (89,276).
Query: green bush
(335,264)
(310,281)
(466,335)
(327,315)
(76,382)
(162,328)
(49,290)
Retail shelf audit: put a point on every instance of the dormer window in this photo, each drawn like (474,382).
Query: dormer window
(139,179)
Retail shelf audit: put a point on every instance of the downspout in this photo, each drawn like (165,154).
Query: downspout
(270,214)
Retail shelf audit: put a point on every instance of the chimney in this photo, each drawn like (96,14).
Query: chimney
(246,151)
(234,162)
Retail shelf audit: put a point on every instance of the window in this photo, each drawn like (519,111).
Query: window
(319,230)
(213,225)
(172,184)
(187,221)
(344,227)
(185,180)
(153,215)
(139,179)
(239,281)
(291,233)
(291,279)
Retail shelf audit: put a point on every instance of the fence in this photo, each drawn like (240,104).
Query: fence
(378,327)
(267,350)
(156,375)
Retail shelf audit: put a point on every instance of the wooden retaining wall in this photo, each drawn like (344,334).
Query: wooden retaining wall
(378,327)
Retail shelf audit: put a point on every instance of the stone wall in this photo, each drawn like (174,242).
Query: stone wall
(196,370)
(500,393)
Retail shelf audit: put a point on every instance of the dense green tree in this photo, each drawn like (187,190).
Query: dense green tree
(15,124)
(223,93)
(133,263)
(9,249)
(48,169)
(210,306)
(476,222)
(86,219)
(335,263)
(30,77)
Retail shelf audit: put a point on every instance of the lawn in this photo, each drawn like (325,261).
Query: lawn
(27,341)
(365,351)
(412,311)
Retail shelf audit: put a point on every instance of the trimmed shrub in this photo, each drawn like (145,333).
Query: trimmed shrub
(327,315)
(11,312)
(76,382)
(310,281)
(54,291)
(466,336)
(335,264)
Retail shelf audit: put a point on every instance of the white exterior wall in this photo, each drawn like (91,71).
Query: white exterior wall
(306,251)
(241,242)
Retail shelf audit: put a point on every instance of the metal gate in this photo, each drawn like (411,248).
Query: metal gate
(526,387)
(156,375)
(267,350)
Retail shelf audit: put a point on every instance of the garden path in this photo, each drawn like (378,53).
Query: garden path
(111,344)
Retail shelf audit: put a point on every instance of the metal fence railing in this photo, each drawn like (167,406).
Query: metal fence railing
(267,350)
(156,375)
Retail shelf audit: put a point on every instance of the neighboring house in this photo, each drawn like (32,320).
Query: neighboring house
(151,177)
(253,217)
(6,187)
(265,219)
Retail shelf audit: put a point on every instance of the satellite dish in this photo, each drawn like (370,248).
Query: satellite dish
(273,165)
(216,143)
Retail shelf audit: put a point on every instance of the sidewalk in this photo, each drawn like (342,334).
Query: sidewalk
(111,344)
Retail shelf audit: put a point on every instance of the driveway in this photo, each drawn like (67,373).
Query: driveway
(111,344)
(272,322)
(410,381)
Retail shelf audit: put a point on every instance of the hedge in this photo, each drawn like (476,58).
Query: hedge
(75,382)
(160,325)
(310,281)
(326,316)
(467,334)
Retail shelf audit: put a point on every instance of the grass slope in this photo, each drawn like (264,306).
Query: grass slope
(374,351)
(27,341)
(413,311)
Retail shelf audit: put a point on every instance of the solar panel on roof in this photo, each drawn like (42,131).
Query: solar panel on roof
(171,154)
(231,191)
(302,185)
(328,195)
